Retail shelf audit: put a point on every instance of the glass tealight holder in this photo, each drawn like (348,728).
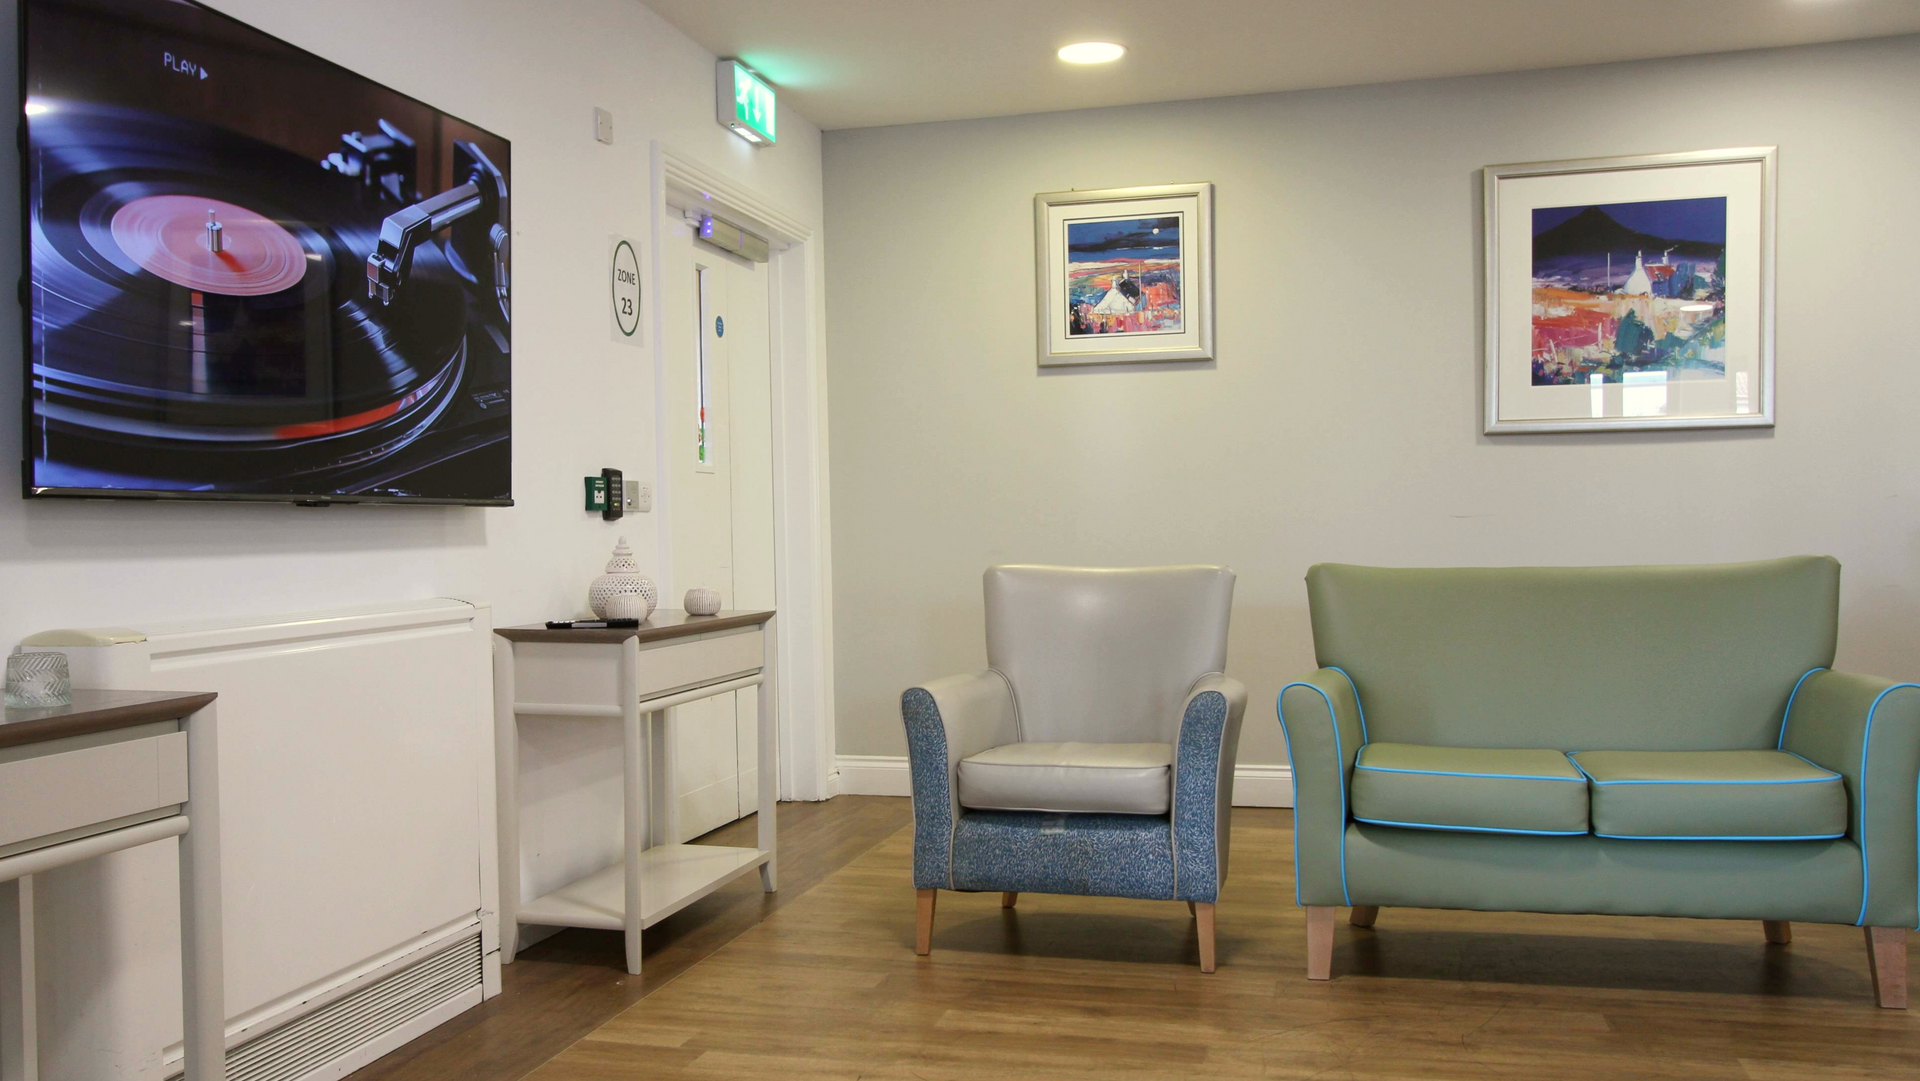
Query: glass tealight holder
(38,680)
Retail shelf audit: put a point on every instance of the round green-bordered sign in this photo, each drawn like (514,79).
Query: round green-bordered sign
(626,288)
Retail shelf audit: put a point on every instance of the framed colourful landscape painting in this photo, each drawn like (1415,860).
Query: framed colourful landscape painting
(1630,293)
(1125,274)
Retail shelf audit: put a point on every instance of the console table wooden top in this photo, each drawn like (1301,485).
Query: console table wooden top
(664,623)
(96,711)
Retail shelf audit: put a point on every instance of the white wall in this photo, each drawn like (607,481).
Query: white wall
(1342,421)
(532,73)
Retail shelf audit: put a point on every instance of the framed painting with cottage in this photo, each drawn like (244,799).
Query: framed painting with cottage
(1630,293)
(1125,274)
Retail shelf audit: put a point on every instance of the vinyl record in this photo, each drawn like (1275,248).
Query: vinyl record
(149,338)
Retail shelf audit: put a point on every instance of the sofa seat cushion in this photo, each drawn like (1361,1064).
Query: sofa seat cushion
(1713,796)
(1115,778)
(1473,789)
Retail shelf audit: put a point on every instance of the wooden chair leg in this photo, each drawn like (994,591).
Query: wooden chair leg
(1887,961)
(1319,942)
(1008,898)
(1203,912)
(923,924)
(1779,932)
(1363,915)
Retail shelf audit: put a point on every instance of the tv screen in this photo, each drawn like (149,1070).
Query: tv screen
(251,273)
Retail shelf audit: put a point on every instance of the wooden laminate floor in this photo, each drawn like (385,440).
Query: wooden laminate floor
(827,986)
(565,987)
(1072,988)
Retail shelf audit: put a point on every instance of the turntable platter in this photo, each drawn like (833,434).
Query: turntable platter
(175,237)
(247,367)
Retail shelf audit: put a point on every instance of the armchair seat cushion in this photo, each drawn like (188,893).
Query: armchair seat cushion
(1713,795)
(1114,778)
(1470,789)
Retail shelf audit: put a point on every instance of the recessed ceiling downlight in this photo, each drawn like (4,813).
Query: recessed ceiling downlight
(1092,52)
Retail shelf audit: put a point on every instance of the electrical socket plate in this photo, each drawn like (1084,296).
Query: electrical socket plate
(639,497)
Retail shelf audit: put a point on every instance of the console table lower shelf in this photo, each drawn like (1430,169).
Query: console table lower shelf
(672,877)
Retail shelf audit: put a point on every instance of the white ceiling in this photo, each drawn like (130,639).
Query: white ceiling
(859,63)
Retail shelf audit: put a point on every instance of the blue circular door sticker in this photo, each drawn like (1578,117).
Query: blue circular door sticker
(719,326)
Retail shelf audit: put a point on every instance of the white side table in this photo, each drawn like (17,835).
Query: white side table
(113,770)
(627,675)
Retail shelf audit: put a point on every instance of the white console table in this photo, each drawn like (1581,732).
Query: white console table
(112,770)
(627,675)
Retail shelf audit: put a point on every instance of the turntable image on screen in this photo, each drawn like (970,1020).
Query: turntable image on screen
(252,273)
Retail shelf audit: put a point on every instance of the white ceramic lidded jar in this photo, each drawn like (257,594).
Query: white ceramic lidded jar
(623,592)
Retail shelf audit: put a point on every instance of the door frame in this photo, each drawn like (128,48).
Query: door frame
(802,546)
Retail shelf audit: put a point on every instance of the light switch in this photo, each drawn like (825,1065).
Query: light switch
(639,497)
(603,125)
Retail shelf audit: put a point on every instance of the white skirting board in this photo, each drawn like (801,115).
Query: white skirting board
(886,775)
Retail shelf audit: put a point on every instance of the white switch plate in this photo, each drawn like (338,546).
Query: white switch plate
(603,125)
(639,497)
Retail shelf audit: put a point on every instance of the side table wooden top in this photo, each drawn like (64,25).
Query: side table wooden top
(96,711)
(664,623)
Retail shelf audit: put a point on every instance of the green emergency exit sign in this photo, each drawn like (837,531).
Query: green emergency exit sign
(747,103)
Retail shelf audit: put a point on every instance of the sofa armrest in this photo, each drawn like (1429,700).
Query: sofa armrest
(1868,730)
(1203,757)
(948,720)
(1322,722)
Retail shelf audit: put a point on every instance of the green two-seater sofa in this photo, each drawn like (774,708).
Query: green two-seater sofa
(1655,741)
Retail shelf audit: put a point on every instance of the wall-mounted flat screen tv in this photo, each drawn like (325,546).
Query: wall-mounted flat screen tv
(251,273)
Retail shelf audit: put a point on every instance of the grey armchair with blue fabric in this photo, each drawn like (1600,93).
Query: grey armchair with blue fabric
(1094,755)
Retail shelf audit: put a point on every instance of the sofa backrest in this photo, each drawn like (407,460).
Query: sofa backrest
(1577,658)
(1105,655)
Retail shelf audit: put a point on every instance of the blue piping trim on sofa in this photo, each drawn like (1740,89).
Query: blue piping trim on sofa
(1720,837)
(1361,709)
(1784,717)
(1800,780)
(1479,776)
(1866,742)
(1831,775)
(1470,829)
(1288,740)
(1340,760)
(1808,761)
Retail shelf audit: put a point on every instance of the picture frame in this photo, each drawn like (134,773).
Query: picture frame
(1630,293)
(1125,275)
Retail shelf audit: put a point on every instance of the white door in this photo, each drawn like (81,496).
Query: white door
(720,423)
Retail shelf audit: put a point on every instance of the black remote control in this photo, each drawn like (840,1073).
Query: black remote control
(591,624)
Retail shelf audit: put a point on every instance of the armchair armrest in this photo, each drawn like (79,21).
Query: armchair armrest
(1868,730)
(1322,722)
(1203,757)
(948,720)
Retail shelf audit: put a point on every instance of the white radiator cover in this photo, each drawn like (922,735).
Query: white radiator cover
(358,854)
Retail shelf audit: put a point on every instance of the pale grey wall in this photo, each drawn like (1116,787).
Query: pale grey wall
(1343,419)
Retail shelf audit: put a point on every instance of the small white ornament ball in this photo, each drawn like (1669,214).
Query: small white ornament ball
(702,601)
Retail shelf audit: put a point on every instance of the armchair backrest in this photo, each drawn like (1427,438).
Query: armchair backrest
(1105,655)
(1577,658)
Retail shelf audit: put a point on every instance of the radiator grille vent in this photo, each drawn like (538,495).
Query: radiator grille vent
(313,1040)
